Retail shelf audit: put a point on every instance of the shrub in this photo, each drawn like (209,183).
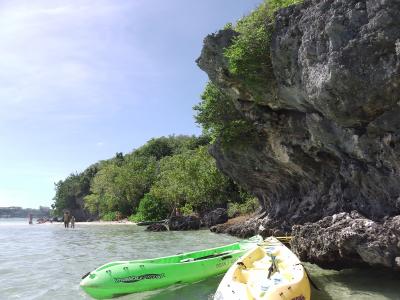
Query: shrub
(150,209)
(191,178)
(187,209)
(219,118)
(248,207)
(249,55)
(133,218)
(110,216)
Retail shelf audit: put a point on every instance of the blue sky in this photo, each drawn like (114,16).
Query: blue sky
(81,80)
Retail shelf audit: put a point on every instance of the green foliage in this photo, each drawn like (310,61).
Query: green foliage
(150,209)
(74,188)
(132,218)
(187,209)
(191,177)
(274,5)
(249,55)
(219,117)
(248,207)
(119,187)
(228,26)
(147,184)
(168,146)
(249,63)
(109,216)
(158,148)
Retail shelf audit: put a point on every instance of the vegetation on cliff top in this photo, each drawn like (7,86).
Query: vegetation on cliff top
(249,62)
(249,54)
(218,116)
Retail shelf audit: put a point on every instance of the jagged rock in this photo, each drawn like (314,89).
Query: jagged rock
(156,227)
(80,213)
(184,223)
(217,216)
(344,240)
(329,142)
(240,228)
(245,226)
(146,223)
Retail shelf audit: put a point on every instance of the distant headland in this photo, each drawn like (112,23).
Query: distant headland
(19,212)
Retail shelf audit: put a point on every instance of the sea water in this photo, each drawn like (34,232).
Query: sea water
(47,261)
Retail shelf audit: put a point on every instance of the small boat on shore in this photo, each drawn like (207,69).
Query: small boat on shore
(268,272)
(125,277)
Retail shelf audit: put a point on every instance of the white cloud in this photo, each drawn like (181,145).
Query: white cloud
(56,57)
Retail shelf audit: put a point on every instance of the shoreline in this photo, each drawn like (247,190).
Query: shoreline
(22,221)
(105,223)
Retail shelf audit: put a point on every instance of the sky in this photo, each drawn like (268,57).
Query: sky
(81,80)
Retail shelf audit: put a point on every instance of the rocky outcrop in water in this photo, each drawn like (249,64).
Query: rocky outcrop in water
(217,216)
(237,227)
(327,127)
(157,227)
(184,223)
(344,240)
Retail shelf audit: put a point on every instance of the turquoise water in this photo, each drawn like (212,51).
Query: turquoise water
(47,262)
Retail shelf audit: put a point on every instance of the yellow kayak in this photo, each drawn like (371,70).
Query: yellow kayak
(268,272)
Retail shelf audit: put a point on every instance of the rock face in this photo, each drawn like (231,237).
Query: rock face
(329,140)
(242,229)
(217,216)
(345,239)
(184,223)
(82,215)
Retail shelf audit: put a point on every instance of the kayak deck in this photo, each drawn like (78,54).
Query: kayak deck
(125,277)
(269,272)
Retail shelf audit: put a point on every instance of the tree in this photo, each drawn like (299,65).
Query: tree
(219,118)
(190,178)
(120,187)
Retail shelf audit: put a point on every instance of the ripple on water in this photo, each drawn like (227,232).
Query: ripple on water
(47,261)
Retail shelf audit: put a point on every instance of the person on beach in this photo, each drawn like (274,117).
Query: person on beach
(66,219)
(72,222)
(30,219)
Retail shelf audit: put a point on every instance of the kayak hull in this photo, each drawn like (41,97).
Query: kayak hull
(267,272)
(125,277)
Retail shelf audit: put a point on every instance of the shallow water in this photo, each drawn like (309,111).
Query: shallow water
(47,262)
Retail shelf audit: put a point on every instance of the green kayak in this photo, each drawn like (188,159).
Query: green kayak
(120,278)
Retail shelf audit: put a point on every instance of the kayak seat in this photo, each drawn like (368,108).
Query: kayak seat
(241,275)
(255,255)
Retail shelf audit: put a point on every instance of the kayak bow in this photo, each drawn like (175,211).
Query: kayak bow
(125,277)
(268,272)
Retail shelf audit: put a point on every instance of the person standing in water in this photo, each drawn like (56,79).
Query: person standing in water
(30,219)
(72,222)
(66,219)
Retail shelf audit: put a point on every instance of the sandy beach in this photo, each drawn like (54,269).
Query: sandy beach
(122,222)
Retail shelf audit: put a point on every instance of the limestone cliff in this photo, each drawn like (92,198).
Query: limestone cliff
(328,122)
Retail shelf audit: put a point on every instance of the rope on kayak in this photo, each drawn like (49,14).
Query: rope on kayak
(86,275)
(213,255)
(273,268)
